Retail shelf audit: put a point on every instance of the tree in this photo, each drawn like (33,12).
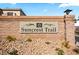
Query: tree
(1,12)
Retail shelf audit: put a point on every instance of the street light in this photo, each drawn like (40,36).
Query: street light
(65,28)
(67,11)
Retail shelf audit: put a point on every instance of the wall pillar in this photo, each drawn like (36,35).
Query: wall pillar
(70,29)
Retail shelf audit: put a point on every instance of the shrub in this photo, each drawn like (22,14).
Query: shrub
(66,44)
(14,52)
(29,40)
(76,50)
(47,42)
(59,51)
(10,38)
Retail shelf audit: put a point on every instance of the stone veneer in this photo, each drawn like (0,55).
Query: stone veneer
(10,25)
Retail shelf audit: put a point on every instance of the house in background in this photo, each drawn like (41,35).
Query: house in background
(77,35)
(13,12)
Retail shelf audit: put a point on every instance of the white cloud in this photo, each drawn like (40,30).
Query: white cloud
(68,4)
(38,1)
(13,3)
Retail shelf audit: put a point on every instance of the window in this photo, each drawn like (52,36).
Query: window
(9,13)
(15,14)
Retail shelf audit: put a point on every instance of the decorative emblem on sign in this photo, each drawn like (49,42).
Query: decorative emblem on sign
(38,27)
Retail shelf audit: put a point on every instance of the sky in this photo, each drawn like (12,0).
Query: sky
(41,9)
(44,9)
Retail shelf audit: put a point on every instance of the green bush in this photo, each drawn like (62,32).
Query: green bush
(66,44)
(29,40)
(10,38)
(59,51)
(76,50)
(47,42)
(14,52)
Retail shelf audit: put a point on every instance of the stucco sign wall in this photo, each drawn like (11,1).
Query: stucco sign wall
(37,35)
(38,27)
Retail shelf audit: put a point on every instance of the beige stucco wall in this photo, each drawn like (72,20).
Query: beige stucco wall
(11,25)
